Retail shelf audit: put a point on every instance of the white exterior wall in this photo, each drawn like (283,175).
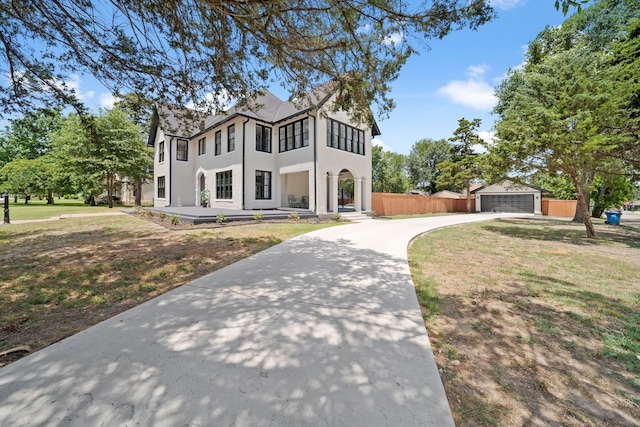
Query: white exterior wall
(332,160)
(507,187)
(161,169)
(209,164)
(182,192)
(310,171)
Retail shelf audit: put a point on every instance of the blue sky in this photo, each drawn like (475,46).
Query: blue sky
(454,79)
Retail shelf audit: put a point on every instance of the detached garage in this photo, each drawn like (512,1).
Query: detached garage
(508,197)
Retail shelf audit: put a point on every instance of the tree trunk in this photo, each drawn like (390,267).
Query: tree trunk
(138,190)
(49,197)
(583,206)
(579,215)
(468,196)
(110,190)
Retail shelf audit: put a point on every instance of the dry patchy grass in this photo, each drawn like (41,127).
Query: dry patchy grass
(61,277)
(532,324)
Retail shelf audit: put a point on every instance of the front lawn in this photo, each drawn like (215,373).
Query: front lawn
(533,324)
(60,277)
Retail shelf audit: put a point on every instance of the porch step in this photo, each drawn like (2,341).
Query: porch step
(355,216)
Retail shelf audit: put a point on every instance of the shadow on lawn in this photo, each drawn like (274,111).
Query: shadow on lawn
(565,231)
(58,283)
(552,365)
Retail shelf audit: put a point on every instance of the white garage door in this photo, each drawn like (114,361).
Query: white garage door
(507,203)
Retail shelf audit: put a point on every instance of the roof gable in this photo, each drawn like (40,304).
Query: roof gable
(188,123)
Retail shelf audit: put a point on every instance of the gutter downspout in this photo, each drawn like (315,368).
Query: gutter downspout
(170,174)
(243,159)
(315,164)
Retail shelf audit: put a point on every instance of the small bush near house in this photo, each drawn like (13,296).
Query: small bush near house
(220,218)
(175,220)
(258,216)
(294,216)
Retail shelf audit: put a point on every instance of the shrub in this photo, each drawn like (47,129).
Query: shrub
(337,217)
(175,219)
(162,215)
(294,216)
(220,218)
(258,216)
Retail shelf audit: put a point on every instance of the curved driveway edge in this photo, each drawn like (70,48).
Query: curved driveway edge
(324,329)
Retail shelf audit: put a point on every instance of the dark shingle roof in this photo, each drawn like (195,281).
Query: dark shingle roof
(187,123)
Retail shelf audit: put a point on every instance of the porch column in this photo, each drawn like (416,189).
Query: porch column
(366,199)
(333,193)
(357,194)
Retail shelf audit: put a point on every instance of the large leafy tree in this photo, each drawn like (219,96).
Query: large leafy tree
(19,177)
(464,164)
(553,118)
(27,137)
(101,149)
(139,109)
(565,111)
(388,175)
(188,50)
(423,160)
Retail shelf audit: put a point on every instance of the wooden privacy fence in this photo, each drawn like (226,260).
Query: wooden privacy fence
(411,204)
(560,208)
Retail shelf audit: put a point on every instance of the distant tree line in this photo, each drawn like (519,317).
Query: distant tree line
(46,153)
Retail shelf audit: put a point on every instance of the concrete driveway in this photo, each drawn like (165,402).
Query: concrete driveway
(324,329)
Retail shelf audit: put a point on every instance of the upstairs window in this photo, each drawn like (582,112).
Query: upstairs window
(231,138)
(345,137)
(182,151)
(294,135)
(161,152)
(263,138)
(218,143)
(202,146)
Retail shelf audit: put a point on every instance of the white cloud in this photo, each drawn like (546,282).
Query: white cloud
(474,92)
(73,83)
(393,39)
(505,4)
(380,143)
(487,136)
(107,100)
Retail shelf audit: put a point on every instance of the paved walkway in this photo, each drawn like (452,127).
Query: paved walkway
(323,329)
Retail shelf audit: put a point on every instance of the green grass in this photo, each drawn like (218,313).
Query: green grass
(559,291)
(38,209)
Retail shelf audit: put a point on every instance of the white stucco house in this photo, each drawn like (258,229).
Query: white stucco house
(277,154)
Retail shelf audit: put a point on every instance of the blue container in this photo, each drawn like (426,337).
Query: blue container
(613,218)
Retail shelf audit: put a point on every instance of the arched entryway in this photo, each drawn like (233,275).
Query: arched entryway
(346,191)
(202,193)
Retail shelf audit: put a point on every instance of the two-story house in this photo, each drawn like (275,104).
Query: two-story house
(277,154)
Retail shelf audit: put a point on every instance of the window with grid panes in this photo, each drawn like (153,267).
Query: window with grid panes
(263,138)
(263,185)
(182,150)
(231,138)
(224,185)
